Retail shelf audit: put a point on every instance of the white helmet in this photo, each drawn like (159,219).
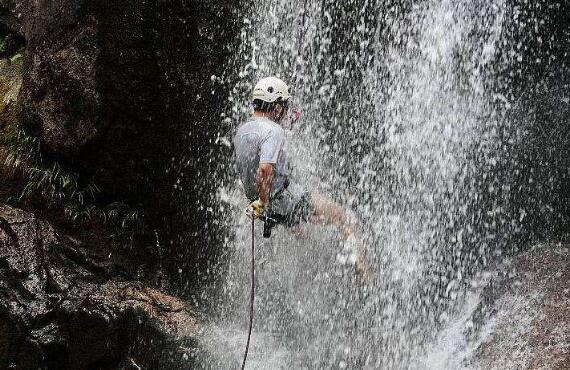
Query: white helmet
(271,89)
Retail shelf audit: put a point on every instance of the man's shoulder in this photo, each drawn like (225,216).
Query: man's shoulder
(270,127)
(246,127)
(261,126)
(275,128)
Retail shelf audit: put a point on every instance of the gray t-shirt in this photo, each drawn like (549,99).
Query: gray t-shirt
(256,141)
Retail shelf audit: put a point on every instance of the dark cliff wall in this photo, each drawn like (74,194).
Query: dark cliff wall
(110,103)
(122,94)
(534,76)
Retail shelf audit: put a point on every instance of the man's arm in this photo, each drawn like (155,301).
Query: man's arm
(265,176)
(269,152)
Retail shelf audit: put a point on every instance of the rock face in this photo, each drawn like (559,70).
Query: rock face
(10,84)
(527,313)
(61,308)
(60,96)
(128,95)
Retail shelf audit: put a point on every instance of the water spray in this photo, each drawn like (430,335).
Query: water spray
(252,293)
(269,223)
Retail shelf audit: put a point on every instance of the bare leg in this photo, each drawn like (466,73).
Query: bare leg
(328,212)
(298,231)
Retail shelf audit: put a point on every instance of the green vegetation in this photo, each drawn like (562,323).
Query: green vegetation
(61,188)
(49,182)
(16,57)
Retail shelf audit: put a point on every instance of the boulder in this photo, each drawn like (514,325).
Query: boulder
(524,316)
(62,308)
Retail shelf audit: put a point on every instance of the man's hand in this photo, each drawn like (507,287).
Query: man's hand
(256,209)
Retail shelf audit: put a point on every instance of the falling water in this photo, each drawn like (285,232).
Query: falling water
(403,124)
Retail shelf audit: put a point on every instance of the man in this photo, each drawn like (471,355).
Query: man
(261,158)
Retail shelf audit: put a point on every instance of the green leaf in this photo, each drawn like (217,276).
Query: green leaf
(16,57)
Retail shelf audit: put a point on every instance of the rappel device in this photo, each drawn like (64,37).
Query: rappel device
(269,219)
(268,224)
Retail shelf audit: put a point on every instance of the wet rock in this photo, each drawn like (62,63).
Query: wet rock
(10,84)
(121,92)
(10,20)
(62,308)
(60,95)
(525,315)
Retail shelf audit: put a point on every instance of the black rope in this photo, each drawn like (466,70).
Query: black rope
(252,295)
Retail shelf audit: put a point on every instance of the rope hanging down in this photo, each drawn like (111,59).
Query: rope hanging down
(252,295)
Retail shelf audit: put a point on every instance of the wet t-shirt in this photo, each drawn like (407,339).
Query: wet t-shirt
(256,141)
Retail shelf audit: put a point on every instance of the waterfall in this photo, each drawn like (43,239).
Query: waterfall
(404,123)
